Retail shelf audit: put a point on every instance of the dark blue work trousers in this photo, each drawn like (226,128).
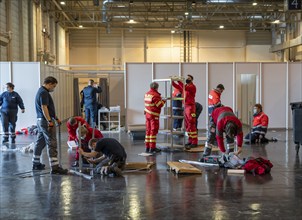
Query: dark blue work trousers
(9,119)
(91,114)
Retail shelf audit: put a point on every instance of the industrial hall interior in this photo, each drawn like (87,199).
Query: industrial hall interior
(159,109)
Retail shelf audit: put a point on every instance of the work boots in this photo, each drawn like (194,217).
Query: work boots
(13,139)
(5,140)
(58,170)
(38,166)
(207,150)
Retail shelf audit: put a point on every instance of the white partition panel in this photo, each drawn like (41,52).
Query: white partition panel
(198,71)
(294,87)
(138,77)
(274,93)
(26,77)
(222,73)
(244,102)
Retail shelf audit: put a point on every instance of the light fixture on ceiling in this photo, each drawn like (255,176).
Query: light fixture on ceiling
(255,3)
(221,26)
(131,21)
(172,31)
(276,22)
(193,3)
(80,26)
(130,2)
(186,13)
(62,3)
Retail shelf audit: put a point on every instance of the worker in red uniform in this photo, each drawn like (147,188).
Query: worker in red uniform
(260,124)
(214,98)
(153,105)
(190,110)
(72,125)
(224,121)
(85,135)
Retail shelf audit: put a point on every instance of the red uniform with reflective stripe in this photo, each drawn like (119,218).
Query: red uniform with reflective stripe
(190,110)
(260,119)
(214,98)
(153,105)
(72,129)
(220,121)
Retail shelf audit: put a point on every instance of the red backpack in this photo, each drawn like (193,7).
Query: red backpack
(258,166)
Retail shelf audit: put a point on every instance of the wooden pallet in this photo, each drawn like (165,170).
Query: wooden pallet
(139,165)
(183,168)
(200,148)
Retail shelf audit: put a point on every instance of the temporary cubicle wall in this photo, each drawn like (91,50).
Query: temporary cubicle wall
(27,78)
(276,85)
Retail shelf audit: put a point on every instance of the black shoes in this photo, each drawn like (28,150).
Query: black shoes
(59,170)
(188,146)
(13,140)
(38,166)
(155,150)
(75,164)
(147,150)
(207,151)
(5,140)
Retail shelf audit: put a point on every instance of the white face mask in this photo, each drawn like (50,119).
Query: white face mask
(255,111)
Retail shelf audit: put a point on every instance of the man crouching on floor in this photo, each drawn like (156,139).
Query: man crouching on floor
(113,157)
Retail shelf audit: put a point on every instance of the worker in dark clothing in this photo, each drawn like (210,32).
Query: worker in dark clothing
(9,102)
(177,109)
(46,117)
(90,102)
(199,109)
(113,159)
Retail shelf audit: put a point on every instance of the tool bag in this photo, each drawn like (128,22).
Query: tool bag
(258,166)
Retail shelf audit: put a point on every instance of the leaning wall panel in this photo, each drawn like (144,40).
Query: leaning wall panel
(274,93)
(21,73)
(137,81)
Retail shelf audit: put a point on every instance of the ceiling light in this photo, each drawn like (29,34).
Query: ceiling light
(276,22)
(172,32)
(186,13)
(62,3)
(80,26)
(193,3)
(131,2)
(255,3)
(221,26)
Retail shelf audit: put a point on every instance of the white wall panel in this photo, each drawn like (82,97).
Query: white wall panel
(137,81)
(294,87)
(198,71)
(222,73)
(274,93)
(21,73)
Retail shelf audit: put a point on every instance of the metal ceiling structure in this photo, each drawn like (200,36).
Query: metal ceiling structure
(177,15)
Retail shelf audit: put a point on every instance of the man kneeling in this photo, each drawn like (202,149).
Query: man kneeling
(113,159)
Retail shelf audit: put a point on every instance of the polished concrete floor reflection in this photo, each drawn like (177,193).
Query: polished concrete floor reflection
(159,194)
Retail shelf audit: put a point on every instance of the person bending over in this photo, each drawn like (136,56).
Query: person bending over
(113,159)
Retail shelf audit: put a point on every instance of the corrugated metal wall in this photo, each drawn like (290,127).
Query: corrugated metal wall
(3,50)
(259,38)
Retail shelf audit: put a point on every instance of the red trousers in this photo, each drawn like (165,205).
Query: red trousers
(152,126)
(190,123)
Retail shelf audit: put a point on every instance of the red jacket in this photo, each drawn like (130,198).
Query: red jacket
(221,116)
(214,98)
(97,134)
(190,90)
(260,123)
(72,129)
(153,102)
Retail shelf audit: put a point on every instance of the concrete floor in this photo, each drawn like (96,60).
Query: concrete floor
(159,194)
